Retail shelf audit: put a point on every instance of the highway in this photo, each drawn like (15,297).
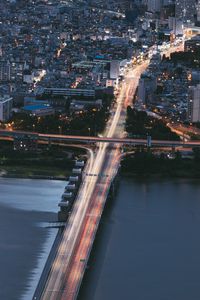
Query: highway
(111,137)
(71,259)
(184,129)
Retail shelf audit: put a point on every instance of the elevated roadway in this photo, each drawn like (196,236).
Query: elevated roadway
(71,259)
(104,139)
(68,268)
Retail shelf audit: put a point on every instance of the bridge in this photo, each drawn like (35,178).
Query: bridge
(108,140)
(67,270)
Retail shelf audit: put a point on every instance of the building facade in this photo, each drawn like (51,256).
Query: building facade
(194,104)
(185,10)
(146,88)
(154,5)
(193,44)
(198,10)
(6,103)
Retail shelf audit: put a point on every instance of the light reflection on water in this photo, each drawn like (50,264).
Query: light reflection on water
(31,195)
(35,274)
(27,208)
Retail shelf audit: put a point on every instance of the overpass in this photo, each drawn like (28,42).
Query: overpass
(92,139)
(67,270)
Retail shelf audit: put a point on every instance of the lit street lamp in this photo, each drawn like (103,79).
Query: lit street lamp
(60,130)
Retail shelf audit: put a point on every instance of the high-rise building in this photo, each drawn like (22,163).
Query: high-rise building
(168,2)
(176,25)
(6,103)
(194,104)
(5,72)
(154,5)
(146,88)
(11,71)
(185,10)
(198,10)
(114,69)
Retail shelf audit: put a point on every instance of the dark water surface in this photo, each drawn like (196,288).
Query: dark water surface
(148,245)
(26,208)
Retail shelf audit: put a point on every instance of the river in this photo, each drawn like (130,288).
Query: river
(148,244)
(26,208)
(147,247)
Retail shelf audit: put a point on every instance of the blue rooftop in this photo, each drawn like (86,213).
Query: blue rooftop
(35,107)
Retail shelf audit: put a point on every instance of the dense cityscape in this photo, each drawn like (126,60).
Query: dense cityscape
(96,95)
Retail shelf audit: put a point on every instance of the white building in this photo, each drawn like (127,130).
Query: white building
(6,103)
(176,25)
(28,77)
(194,104)
(114,69)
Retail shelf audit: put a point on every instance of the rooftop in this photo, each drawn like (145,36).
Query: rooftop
(36,107)
(5,98)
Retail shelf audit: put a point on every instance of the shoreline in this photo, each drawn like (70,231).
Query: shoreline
(130,174)
(162,175)
(19,176)
(147,165)
(33,172)
(51,164)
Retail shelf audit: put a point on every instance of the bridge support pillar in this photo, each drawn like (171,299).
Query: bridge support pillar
(49,143)
(62,215)
(112,189)
(173,149)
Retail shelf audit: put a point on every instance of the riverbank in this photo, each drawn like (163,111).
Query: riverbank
(147,165)
(31,172)
(46,163)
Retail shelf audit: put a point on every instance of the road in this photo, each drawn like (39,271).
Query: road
(113,136)
(71,259)
(68,268)
(184,129)
(173,49)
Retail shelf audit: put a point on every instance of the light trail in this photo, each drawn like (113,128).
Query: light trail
(68,268)
(97,192)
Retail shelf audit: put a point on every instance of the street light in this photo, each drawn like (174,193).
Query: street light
(60,130)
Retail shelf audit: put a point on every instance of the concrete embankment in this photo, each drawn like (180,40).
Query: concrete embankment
(78,169)
(40,287)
